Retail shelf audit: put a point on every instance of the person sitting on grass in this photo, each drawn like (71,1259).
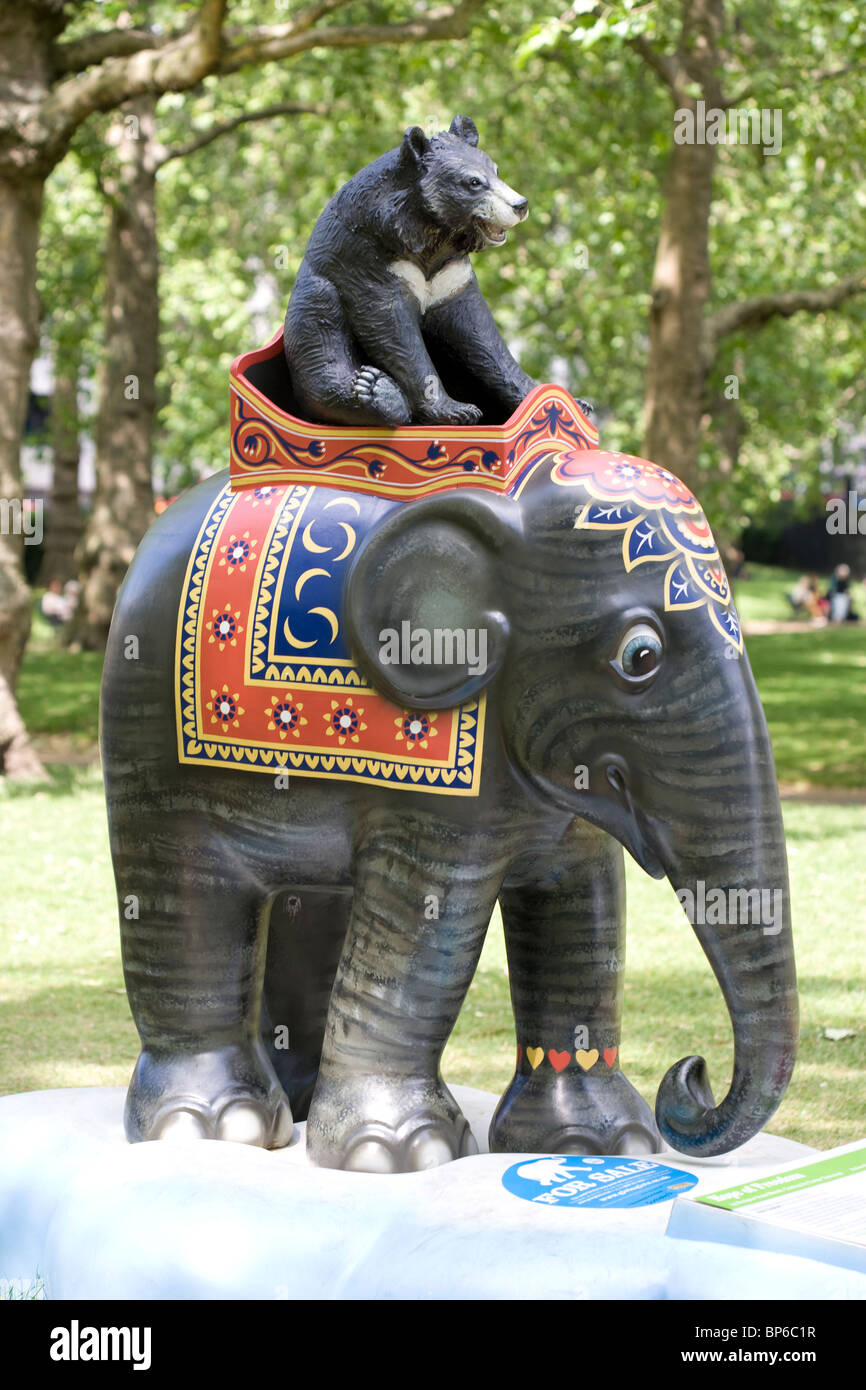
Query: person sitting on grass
(804,597)
(59,602)
(839,596)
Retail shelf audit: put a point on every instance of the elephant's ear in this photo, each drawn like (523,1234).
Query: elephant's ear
(425,597)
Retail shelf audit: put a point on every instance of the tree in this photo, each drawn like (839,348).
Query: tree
(64,525)
(706,65)
(126,169)
(586,131)
(123,494)
(48,88)
(70,280)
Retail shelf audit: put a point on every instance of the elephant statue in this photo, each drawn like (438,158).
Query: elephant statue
(338,726)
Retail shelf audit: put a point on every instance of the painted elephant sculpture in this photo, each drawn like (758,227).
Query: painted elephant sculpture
(360,722)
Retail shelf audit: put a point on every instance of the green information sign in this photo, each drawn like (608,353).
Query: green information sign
(747,1194)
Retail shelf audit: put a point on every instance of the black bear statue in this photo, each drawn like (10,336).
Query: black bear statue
(386,317)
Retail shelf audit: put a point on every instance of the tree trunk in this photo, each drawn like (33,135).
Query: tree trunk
(676,371)
(677,366)
(123,501)
(20,206)
(729,429)
(26,36)
(64,524)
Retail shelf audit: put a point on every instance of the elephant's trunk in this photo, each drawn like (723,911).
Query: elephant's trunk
(727,863)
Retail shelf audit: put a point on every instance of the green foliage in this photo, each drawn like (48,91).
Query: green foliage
(70,280)
(793,220)
(579,123)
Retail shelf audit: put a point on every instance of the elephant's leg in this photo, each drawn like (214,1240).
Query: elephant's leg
(565,939)
(306,935)
(418,921)
(193,926)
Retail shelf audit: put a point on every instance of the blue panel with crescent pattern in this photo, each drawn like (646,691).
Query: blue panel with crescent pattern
(306,622)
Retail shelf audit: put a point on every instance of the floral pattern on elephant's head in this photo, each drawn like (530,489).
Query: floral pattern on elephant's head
(662,522)
(612,476)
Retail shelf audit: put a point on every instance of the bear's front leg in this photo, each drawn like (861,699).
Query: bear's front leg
(420,912)
(465,328)
(388,328)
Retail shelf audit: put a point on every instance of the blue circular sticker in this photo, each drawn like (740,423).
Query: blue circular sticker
(575,1180)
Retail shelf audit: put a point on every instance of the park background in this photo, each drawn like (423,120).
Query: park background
(709,298)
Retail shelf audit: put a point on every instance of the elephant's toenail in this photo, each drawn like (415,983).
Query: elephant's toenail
(179,1127)
(283,1126)
(636,1140)
(241,1122)
(370,1157)
(572,1141)
(427,1149)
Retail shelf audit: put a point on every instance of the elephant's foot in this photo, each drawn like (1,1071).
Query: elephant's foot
(385,1124)
(575,1115)
(227,1093)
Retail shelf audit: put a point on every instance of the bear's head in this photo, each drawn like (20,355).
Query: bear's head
(459,186)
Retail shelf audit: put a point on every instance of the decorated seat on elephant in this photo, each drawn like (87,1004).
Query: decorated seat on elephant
(265,677)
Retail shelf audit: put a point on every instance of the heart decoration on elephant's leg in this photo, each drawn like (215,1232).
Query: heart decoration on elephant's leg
(586,1060)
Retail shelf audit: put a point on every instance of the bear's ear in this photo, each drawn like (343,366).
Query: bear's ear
(415,145)
(464,127)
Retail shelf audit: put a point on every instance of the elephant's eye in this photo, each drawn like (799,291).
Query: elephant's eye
(639,653)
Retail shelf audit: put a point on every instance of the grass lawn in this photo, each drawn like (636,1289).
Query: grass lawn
(813,689)
(65,1021)
(761,594)
(58,693)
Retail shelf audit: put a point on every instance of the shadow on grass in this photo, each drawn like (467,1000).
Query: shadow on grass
(65,780)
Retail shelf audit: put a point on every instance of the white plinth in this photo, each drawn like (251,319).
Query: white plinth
(97,1217)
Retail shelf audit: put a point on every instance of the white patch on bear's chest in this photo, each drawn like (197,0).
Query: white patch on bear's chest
(448,282)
